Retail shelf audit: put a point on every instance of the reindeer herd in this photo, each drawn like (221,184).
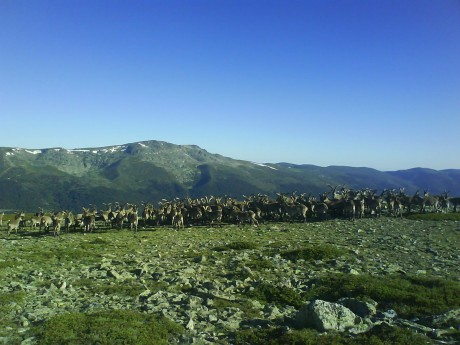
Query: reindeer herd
(338,202)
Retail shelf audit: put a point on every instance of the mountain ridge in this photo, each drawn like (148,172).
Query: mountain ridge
(151,170)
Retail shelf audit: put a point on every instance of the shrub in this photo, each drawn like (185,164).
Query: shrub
(129,288)
(107,327)
(244,305)
(310,253)
(434,216)
(279,295)
(408,296)
(238,245)
(379,335)
(260,264)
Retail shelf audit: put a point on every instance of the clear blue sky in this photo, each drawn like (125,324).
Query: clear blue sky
(324,82)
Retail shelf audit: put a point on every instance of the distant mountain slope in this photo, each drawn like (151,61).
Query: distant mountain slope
(57,178)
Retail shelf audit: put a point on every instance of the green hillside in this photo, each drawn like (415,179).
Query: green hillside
(57,178)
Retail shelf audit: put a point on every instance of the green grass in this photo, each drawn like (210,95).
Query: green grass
(313,252)
(244,305)
(106,328)
(8,298)
(8,302)
(434,216)
(408,296)
(238,245)
(7,263)
(279,295)
(260,264)
(129,288)
(219,254)
(84,254)
(379,335)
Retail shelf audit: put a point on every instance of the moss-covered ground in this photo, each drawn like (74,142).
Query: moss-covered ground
(410,265)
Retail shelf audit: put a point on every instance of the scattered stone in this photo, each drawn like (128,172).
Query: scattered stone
(200,259)
(271,312)
(204,292)
(114,274)
(24,321)
(446,320)
(190,325)
(414,326)
(387,315)
(28,341)
(247,271)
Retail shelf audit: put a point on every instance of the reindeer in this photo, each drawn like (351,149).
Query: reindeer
(417,200)
(177,219)
(22,216)
(194,214)
(349,208)
(395,206)
(46,222)
(14,224)
(360,204)
(295,211)
(147,213)
(133,218)
(373,203)
(334,206)
(431,201)
(56,226)
(69,220)
(213,215)
(248,216)
(119,219)
(35,221)
(88,219)
(454,202)
(105,214)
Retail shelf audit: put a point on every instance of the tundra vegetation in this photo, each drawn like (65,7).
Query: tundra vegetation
(216,279)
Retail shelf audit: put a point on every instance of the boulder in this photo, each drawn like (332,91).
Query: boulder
(360,308)
(326,316)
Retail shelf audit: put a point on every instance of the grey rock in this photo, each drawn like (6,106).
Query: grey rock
(446,320)
(189,271)
(52,288)
(326,316)
(119,276)
(212,318)
(24,321)
(387,315)
(190,325)
(360,308)
(271,312)
(414,326)
(230,323)
(28,341)
(16,286)
(114,274)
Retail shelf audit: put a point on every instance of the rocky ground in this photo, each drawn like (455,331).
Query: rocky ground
(194,278)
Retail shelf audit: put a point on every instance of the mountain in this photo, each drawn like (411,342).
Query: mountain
(57,178)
